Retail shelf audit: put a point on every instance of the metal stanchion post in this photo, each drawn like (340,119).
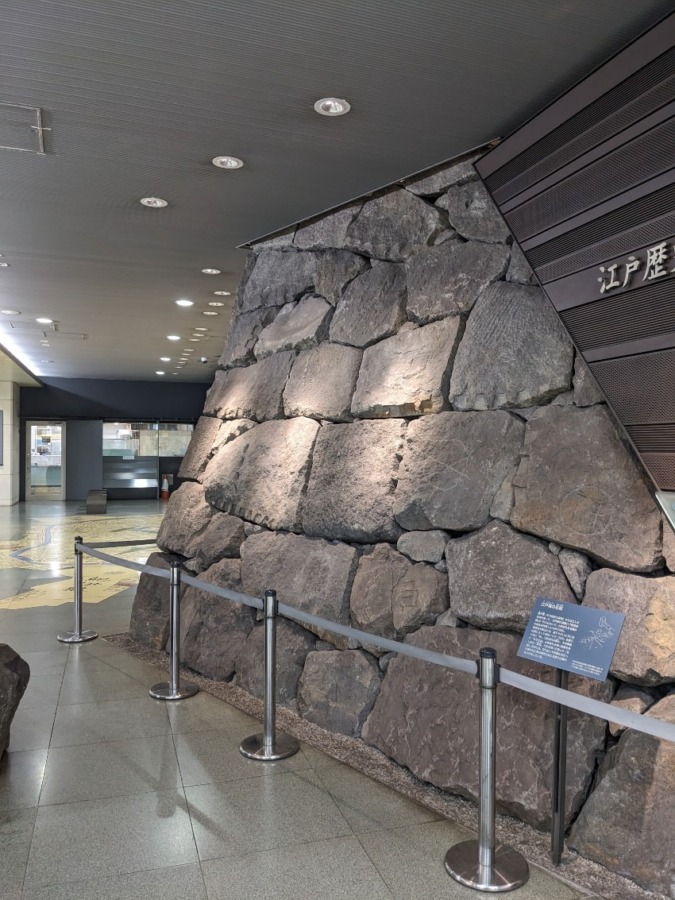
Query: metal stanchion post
(559,774)
(77,636)
(174,689)
(482,864)
(270,745)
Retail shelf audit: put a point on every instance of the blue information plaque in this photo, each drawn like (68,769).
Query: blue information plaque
(579,639)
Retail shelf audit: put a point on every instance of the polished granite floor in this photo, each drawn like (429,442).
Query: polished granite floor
(106,793)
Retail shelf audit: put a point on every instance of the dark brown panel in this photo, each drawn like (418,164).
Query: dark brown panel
(640,388)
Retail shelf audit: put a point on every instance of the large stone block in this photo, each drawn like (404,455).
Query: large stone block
(328,231)
(351,488)
(149,623)
(281,241)
(298,325)
(579,486)
(448,279)
(261,476)
(419,598)
(438,182)
(577,568)
(453,465)
(372,306)
(335,269)
(408,374)
(645,653)
(586,390)
(519,269)
(213,630)
(473,214)
(391,226)
(322,382)
(312,575)
(200,450)
(251,392)
(14,676)
(496,574)
(243,334)
(514,351)
(628,822)
(434,732)
(378,575)
(337,690)
(293,643)
(278,277)
(222,538)
(185,520)
(423,546)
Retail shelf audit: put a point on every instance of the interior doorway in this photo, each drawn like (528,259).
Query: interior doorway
(45,458)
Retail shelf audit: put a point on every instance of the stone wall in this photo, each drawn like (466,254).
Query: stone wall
(400,437)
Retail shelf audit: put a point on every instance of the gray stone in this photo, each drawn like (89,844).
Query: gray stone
(330,231)
(565,399)
(249,265)
(473,214)
(313,575)
(502,506)
(243,334)
(645,653)
(14,677)
(514,351)
(628,822)
(277,278)
(453,465)
(577,568)
(419,598)
(496,574)
(372,306)
(351,486)
(631,699)
(383,661)
(209,436)
(447,280)
(391,226)
(423,546)
(519,269)
(213,629)
(440,181)
(293,644)
(578,485)
(251,528)
(261,476)
(586,390)
(252,392)
(335,269)
(434,731)
(149,623)
(379,573)
(449,620)
(337,690)
(322,382)
(669,545)
(279,242)
(297,326)
(222,538)
(408,374)
(185,520)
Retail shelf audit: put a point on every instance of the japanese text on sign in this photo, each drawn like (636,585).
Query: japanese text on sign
(655,262)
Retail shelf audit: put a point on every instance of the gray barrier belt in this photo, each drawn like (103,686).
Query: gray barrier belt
(101,544)
(647,724)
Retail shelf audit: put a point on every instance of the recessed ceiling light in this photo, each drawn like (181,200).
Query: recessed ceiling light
(153,202)
(211,271)
(332,106)
(185,303)
(216,303)
(10,312)
(159,372)
(227,162)
(189,350)
(210,312)
(173,337)
(201,328)
(193,340)
(44,321)
(165,359)
(4,265)
(47,360)
(223,293)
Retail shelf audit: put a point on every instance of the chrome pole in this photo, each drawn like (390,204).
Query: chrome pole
(173,689)
(559,774)
(483,864)
(77,636)
(269,745)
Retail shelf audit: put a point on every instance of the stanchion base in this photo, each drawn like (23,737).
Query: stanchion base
(510,870)
(254,747)
(162,691)
(72,637)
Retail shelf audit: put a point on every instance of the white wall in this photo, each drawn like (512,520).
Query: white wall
(11,460)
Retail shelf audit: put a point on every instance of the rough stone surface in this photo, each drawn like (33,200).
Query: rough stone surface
(632,699)
(298,325)
(586,390)
(337,690)
(438,182)
(222,538)
(419,598)
(423,546)
(391,226)
(408,374)
(209,436)
(668,545)
(252,392)
(277,278)
(243,334)
(577,568)
(313,575)
(328,231)
(335,269)
(278,242)
(434,731)
(514,351)
(261,476)
(496,574)
(213,630)
(628,822)
(150,611)
(447,280)
(292,646)
(473,214)
(578,485)
(351,487)
(453,465)
(645,653)
(14,676)
(372,307)
(519,269)
(502,505)
(322,382)
(379,573)
(185,521)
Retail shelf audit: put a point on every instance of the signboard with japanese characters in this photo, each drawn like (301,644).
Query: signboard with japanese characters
(643,266)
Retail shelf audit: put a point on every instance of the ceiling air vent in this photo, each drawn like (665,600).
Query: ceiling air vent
(22,128)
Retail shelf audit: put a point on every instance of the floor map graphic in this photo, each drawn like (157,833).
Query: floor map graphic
(579,639)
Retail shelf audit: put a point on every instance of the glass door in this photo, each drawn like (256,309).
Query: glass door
(45,455)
